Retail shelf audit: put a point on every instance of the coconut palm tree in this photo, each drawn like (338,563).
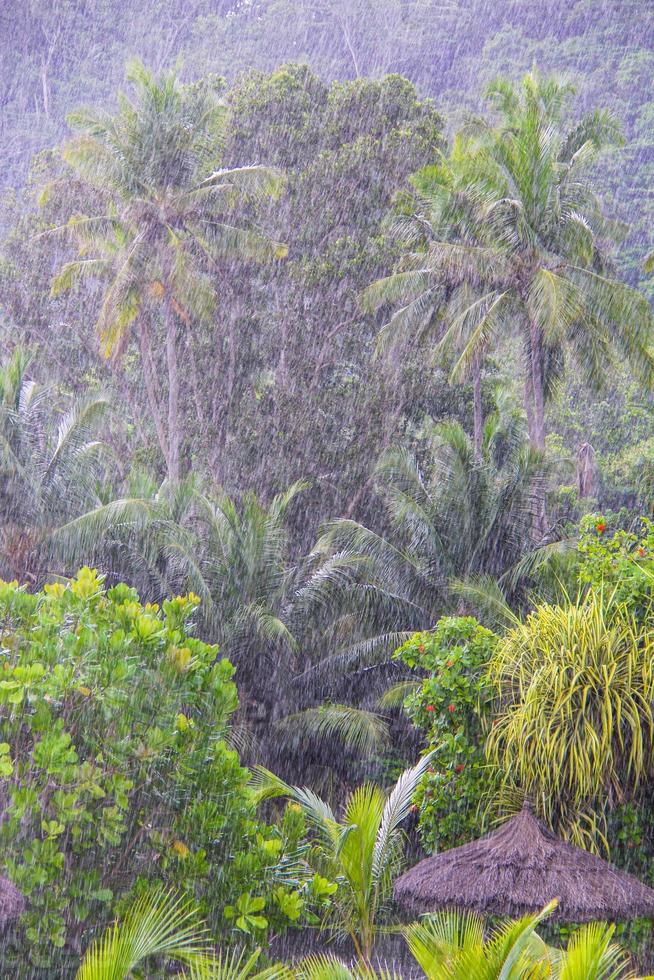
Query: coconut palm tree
(430,305)
(234,555)
(51,464)
(169,218)
(362,851)
(535,252)
(457,519)
(544,262)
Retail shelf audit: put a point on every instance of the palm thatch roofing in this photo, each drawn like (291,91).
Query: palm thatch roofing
(12,903)
(516,870)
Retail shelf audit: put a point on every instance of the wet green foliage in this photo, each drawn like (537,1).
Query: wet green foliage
(451,705)
(116,771)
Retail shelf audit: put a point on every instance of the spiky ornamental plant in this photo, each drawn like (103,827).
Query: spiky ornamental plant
(362,851)
(171,219)
(575,724)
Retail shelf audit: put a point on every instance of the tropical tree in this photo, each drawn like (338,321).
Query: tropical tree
(535,256)
(575,725)
(362,851)
(52,464)
(454,945)
(454,519)
(431,301)
(168,221)
(233,554)
(545,262)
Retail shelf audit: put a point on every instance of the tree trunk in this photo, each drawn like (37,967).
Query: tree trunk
(538,390)
(477,408)
(535,403)
(173,392)
(149,376)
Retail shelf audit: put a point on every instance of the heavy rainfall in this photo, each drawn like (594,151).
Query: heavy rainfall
(326,489)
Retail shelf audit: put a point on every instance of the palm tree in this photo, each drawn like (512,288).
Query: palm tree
(535,256)
(51,464)
(169,220)
(453,946)
(362,851)
(431,303)
(462,518)
(234,555)
(545,263)
(160,925)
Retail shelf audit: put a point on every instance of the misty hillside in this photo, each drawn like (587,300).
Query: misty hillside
(58,56)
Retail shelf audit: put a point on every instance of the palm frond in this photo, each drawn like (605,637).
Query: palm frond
(362,731)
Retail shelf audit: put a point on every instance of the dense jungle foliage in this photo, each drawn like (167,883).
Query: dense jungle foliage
(326,400)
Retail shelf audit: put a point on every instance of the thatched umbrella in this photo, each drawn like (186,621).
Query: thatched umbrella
(12,903)
(517,870)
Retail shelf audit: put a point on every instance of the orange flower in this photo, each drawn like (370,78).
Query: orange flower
(641,552)
(600,527)
(421,647)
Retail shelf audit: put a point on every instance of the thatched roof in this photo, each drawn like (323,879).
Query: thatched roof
(12,903)
(517,870)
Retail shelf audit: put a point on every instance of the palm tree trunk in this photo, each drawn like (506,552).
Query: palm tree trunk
(538,389)
(535,405)
(149,376)
(477,408)
(173,392)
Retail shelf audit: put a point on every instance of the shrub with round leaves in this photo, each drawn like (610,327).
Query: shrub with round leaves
(115,772)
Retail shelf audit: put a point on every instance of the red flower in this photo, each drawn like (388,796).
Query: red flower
(451,708)
(600,527)
(459,768)
(641,552)
(430,707)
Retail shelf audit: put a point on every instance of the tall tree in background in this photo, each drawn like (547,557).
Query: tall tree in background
(534,253)
(543,253)
(169,219)
(432,303)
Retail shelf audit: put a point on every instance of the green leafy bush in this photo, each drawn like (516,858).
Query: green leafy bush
(115,772)
(451,705)
(618,561)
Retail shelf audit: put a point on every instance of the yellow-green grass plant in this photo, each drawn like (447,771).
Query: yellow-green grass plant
(575,726)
